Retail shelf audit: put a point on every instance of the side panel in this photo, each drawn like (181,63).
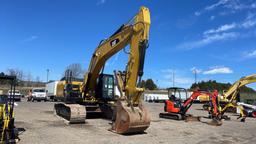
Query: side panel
(51,88)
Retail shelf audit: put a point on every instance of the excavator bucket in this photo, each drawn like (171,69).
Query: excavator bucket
(130,119)
(215,122)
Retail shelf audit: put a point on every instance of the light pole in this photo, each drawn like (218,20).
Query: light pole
(47,75)
(195,73)
(173,78)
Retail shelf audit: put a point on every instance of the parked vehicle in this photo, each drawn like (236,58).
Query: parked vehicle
(14,95)
(250,109)
(51,90)
(39,94)
(162,96)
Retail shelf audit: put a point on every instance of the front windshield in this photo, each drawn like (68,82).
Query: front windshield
(16,91)
(39,90)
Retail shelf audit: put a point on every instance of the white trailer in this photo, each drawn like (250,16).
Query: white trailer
(163,95)
(153,97)
(51,90)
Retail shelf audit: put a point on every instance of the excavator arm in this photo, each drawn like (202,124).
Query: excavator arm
(105,50)
(231,94)
(136,34)
(187,104)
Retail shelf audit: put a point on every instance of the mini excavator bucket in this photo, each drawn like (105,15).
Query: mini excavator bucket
(215,122)
(130,119)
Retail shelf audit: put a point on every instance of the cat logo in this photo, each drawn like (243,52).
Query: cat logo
(114,42)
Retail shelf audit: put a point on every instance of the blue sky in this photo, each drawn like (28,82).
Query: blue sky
(215,38)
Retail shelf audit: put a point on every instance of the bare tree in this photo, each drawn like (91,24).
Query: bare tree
(16,72)
(37,81)
(29,79)
(76,69)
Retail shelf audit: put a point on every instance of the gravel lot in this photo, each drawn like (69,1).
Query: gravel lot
(42,127)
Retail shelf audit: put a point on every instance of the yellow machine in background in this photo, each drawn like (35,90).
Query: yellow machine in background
(61,87)
(231,95)
(205,98)
(97,90)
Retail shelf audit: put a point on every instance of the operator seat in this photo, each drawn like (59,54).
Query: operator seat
(176,101)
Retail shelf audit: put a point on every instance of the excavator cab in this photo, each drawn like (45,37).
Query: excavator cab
(105,88)
(174,103)
(72,93)
(173,106)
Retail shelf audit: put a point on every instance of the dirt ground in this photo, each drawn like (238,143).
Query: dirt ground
(42,127)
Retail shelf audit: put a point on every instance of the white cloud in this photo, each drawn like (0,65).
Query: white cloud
(212,17)
(208,39)
(228,6)
(179,78)
(31,38)
(195,70)
(179,81)
(221,33)
(197,13)
(218,70)
(251,54)
(222,28)
(100,2)
(250,15)
(213,6)
(238,5)
(253,5)
(231,4)
(249,23)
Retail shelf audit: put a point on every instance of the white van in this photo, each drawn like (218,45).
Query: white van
(14,95)
(39,94)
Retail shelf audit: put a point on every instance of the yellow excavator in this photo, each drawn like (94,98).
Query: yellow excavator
(97,90)
(231,96)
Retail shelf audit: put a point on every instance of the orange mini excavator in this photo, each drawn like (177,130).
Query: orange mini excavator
(175,109)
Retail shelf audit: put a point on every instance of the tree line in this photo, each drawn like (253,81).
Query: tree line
(212,84)
(23,79)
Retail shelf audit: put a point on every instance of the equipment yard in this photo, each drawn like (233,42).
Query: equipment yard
(123,72)
(43,127)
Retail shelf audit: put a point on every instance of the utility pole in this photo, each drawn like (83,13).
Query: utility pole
(173,78)
(195,73)
(47,75)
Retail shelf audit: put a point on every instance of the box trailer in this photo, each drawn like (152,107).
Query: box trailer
(162,96)
(51,90)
